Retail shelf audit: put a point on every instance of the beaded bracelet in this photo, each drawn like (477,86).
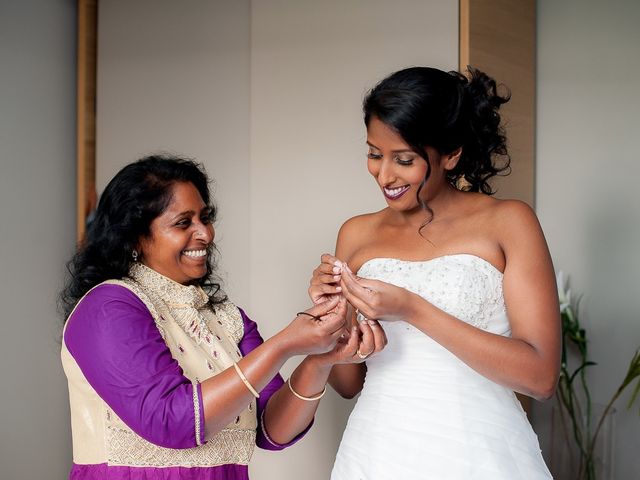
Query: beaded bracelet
(245,381)
(307,399)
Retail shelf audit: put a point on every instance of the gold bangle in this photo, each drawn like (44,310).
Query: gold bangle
(245,381)
(307,399)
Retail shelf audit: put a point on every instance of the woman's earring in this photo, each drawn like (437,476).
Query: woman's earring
(134,255)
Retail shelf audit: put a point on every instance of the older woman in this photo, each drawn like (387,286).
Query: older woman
(167,378)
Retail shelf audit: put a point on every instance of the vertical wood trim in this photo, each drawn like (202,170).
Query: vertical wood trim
(463,47)
(86,112)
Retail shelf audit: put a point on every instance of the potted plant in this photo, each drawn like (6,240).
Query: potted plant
(580,426)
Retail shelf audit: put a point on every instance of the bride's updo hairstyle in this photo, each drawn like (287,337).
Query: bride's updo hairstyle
(445,111)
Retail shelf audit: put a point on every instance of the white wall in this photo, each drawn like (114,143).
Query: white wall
(588,169)
(37,217)
(267,94)
(174,77)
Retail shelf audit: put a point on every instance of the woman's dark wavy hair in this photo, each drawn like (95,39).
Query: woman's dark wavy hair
(445,111)
(138,194)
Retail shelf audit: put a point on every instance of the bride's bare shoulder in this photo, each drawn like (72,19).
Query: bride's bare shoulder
(356,232)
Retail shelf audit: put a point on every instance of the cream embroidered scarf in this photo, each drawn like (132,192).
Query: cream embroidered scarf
(204,342)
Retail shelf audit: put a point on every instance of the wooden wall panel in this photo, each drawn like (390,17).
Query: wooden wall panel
(86,113)
(499,38)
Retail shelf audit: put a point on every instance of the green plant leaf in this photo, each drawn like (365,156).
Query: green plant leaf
(632,374)
(584,365)
(633,371)
(634,395)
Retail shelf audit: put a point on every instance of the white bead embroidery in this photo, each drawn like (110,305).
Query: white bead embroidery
(465,286)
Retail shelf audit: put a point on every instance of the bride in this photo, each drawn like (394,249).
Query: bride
(462,284)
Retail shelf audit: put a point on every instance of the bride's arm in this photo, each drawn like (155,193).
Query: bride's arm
(348,380)
(528,361)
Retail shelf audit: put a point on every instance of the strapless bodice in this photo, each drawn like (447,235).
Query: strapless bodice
(465,286)
(424,413)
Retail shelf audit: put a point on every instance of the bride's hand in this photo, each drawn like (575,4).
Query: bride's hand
(358,344)
(375,299)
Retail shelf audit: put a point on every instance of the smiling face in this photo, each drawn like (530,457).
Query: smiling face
(181,237)
(399,170)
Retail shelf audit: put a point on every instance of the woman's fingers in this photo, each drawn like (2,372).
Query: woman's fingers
(322,278)
(321,293)
(337,335)
(323,308)
(329,266)
(328,259)
(325,287)
(325,279)
(337,318)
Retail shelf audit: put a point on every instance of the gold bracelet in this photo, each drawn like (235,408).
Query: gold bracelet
(307,399)
(245,381)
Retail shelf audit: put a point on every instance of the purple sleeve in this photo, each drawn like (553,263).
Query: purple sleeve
(251,340)
(115,342)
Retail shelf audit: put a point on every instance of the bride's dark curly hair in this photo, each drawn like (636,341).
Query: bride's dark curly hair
(446,111)
(138,194)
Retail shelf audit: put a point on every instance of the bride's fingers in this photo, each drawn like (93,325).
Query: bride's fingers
(355,293)
(351,345)
(356,287)
(367,284)
(367,345)
(379,337)
(354,300)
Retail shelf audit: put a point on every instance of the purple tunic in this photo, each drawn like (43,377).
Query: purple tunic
(115,342)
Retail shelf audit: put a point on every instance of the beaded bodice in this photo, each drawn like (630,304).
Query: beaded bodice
(465,286)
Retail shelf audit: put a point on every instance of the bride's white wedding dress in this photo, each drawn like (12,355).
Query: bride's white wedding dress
(423,413)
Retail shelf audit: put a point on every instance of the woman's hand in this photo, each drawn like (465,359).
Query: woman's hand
(316,330)
(325,281)
(375,299)
(356,345)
